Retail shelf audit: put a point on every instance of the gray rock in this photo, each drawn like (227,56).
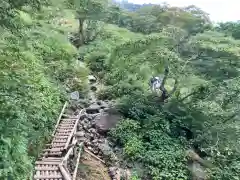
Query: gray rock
(88,143)
(100,140)
(105,148)
(112,171)
(93,109)
(85,127)
(107,153)
(88,136)
(102,104)
(90,116)
(90,148)
(92,136)
(74,95)
(96,136)
(79,127)
(82,139)
(92,130)
(84,116)
(95,151)
(105,121)
(85,123)
(92,79)
(80,134)
(124,173)
(95,141)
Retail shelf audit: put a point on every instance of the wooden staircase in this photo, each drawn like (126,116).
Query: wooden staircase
(52,164)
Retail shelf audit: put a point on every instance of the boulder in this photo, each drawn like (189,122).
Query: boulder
(107,153)
(93,109)
(105,121)
(105,148)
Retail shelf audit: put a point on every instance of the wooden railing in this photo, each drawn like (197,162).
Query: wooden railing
(53,164)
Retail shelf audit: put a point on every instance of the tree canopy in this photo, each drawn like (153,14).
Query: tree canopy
(202,114)
(123,45)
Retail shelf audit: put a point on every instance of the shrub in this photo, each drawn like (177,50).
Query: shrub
(134,148)
(35,67)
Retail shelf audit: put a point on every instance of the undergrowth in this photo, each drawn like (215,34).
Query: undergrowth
(38,64)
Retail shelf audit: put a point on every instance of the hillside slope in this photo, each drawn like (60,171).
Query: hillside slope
(157,135)
(189,131)
(38,64)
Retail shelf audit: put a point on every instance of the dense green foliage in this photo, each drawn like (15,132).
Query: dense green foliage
(203,112)
(36,69)
(152,18)
(38,66)
(230,28)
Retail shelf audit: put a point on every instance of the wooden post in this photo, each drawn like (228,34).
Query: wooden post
(73,130)
(77,163)
(69,151)
(59,118)
(65,174)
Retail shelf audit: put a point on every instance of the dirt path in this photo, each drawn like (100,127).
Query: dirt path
(92,169)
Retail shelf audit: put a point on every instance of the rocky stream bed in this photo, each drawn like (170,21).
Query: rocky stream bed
(100,116)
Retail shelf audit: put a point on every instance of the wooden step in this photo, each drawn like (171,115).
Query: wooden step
(56,145)
(65,129)
(55,168)
(45,177)
(52,159)
(59,140)
(69,119)
(47,162)
(66,126)
(67,122)
(57,137)
(53,154)
(68,116)
(53,150)
(62,131)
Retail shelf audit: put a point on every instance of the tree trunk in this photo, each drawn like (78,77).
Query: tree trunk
(165,94)
(80,32)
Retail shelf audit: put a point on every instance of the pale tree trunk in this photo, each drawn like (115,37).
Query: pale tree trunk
(80,32)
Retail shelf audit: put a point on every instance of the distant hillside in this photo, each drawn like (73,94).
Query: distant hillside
(130,6)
